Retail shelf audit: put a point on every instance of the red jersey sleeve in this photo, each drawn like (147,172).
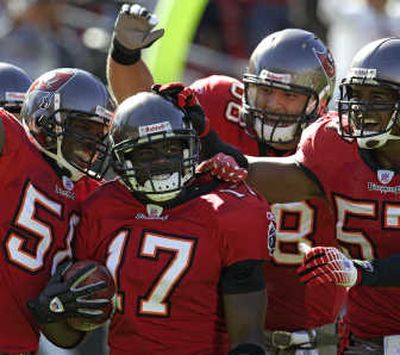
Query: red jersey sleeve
(317,144)
(14,133)
(221,98)
(84,247)
(95,224)
(247,228)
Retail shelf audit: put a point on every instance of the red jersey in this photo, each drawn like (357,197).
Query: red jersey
(167,266)
(310,222)
(221,98)
(366,203)
(305,306)
(37,211)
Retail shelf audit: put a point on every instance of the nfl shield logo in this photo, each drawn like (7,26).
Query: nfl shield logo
(154,210)
(385,176)
(67,183)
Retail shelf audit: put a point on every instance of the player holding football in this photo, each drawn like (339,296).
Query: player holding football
(352,161)
(184,262)
(288,85)
(44,165)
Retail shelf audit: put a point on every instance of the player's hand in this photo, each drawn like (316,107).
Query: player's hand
(133,28)
(185,98)
(62,299)
(223,167)
(327,265)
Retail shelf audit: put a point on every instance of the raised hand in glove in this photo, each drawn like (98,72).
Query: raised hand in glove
(185,98)
(62,299)
(133,31)
(327,265)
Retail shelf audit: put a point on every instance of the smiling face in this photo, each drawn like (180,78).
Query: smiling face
(371,108)
(279,114)
(287,85)
(84,139)
(369,114)
(157,160)
(158,166)
(278,101)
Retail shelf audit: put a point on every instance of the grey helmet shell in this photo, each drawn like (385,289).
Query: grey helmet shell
(374,65)
(293,60)
(141,120)
(14,83)
(57,97)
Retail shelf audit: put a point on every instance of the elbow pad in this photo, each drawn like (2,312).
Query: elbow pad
(243,277)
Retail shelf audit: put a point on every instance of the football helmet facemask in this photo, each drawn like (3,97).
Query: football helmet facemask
(294,61)
(370,95)
(68,113)
(155,149)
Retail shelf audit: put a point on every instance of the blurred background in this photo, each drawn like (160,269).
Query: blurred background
(40,35)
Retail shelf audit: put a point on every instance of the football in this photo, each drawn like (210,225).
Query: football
(101,273)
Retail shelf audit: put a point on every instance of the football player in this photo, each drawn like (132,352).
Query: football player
(288,85)
(352,162)
(45,165)
(189,271)
(14,82)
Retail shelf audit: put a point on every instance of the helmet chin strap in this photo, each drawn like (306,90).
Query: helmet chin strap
(59,157)
(160,197)
(380,140)
(63,163)
(60,160)
(162,185)
(377,141)
(163,197)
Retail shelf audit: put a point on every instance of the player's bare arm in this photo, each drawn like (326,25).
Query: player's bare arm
(244,299)
(127,74)
(245,316)
(281,179)
(122,88)
(62,335)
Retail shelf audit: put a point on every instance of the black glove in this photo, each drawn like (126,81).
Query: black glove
(186,99)
(61,299)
